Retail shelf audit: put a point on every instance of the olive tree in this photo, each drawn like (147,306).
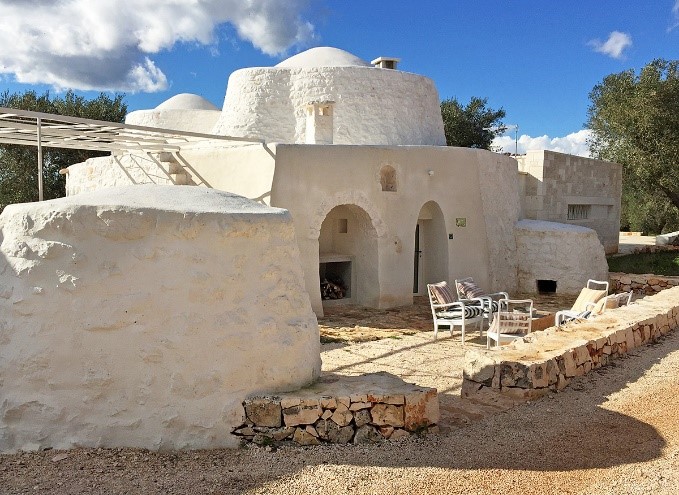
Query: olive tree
(473,125)
(634,120)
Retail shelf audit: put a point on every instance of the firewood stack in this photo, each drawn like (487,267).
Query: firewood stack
(332,290)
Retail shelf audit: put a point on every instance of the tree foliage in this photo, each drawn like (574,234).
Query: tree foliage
(634,120)
(473,125)
(18,164)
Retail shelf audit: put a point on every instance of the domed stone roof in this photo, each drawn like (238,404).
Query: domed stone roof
(186,101)
(323,56)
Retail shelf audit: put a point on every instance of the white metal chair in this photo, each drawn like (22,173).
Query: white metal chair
(512,321)
(466,288)
(584,305)
(447,312)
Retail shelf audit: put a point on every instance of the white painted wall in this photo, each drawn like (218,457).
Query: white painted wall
(181,120)
(568,254)
(372,106)
(182,112)
(311,180)
(143,316)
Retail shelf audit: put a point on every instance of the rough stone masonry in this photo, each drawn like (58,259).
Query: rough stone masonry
(335,411)
(547,361)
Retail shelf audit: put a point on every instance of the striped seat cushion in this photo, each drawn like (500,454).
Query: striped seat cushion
(454,313)
(494,306)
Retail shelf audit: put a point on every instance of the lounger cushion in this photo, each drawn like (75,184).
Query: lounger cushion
(587,296)
(456,313)
(609,302)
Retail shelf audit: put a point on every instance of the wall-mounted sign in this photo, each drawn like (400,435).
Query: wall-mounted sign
(460,222)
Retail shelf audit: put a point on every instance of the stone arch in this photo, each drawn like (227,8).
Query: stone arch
(431,263)
(388,178)
(356,198)
(348,253)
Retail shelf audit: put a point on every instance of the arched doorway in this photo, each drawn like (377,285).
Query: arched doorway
(431,248)
(348,257)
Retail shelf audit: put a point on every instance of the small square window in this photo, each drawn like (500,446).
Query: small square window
(343,225)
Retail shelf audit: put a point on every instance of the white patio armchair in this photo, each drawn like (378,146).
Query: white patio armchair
(467,289)
(449,313)
(585,304)
(512,321)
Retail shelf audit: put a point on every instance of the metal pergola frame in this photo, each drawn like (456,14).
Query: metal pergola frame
(38,129)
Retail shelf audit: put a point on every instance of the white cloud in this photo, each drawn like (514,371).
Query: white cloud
(573,144)
(616,43)
(675,12)
(106,44)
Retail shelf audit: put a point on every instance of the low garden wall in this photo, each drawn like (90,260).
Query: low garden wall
(547,361)
(640,284)
(341,409)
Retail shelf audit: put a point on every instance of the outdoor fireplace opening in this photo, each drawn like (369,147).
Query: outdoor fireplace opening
(335,277)
(546,286)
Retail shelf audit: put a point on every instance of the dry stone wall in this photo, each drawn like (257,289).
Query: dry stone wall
(327,413)
(549,360)
(641,284)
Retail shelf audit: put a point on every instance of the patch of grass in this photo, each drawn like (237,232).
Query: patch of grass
(662,263)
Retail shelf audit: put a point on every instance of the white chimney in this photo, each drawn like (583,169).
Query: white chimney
(386,62)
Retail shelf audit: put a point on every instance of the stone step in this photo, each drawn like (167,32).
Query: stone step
(180,179)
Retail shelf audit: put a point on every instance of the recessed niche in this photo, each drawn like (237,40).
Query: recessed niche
(342,225)
(388,178)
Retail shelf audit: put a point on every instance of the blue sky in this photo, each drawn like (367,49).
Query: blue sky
(537,59)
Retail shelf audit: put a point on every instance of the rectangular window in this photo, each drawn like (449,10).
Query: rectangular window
(579,212)
(343,225)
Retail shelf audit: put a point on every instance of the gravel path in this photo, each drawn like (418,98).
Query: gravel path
(614,431)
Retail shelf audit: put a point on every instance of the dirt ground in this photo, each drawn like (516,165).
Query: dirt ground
(614,431)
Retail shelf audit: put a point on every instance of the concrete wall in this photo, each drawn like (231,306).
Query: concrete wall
(552,181)
(566,254)
(144,316)
(372,106)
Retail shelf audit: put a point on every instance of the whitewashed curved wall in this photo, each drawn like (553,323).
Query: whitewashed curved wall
(202,121)
(567,254)
(372,106)
(142,317)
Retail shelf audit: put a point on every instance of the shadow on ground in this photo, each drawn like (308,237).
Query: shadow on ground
(572,430)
